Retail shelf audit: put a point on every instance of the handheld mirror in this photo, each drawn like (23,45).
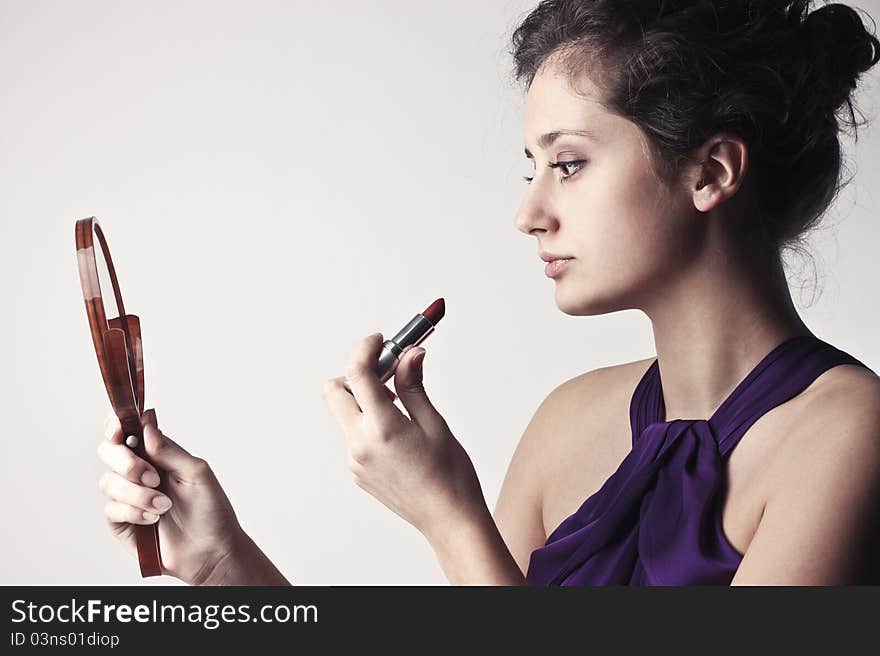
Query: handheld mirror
(117,340)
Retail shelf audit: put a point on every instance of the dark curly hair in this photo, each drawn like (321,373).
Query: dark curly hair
(681,70)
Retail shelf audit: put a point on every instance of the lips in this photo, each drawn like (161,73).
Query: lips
(550,257)
(556,267)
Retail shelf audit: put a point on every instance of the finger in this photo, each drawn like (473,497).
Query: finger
(363,381)
(117,488)
(112,429)
(118,513)
(124,462)
(149,417)
(408,381)
(391,395)
(167,454)
(342,404)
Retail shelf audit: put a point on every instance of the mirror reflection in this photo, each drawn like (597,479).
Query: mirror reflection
(109,298)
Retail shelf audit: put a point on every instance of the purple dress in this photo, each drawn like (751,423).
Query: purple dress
(657,519)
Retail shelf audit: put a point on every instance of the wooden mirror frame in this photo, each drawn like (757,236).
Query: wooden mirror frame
(120,357)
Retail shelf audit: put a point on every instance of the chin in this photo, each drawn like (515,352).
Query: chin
(581,301)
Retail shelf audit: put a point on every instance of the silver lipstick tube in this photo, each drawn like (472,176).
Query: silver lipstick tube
(412,334)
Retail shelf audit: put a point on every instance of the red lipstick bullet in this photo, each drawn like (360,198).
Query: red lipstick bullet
(412,334)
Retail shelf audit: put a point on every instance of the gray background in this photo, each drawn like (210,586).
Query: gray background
(278,180)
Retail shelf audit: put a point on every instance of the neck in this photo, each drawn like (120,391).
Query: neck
(714,324)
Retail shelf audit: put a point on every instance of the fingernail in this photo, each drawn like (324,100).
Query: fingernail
(150,517)
(162,503)
(150,478)
(419,357)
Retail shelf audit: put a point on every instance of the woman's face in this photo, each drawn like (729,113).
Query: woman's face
(628,234)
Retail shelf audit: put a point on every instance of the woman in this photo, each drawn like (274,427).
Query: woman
(679,148)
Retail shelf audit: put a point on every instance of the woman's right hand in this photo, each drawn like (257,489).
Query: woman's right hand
(197,531)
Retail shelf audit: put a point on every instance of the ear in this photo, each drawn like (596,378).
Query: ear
(721,172)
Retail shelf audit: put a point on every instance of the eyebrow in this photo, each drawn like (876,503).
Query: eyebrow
(547,140)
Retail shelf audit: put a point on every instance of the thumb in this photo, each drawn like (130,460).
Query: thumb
(411,392)
(166,454)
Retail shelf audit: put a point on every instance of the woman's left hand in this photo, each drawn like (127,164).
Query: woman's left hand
(413,465)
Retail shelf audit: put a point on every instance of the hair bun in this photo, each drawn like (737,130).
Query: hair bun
(840,49)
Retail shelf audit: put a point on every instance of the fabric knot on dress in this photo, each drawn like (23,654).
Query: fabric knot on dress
(640,512)
(657,519)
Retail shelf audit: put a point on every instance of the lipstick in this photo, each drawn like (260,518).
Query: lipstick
(412,334)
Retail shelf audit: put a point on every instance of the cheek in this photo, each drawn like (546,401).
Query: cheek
(625,235)
(622,250)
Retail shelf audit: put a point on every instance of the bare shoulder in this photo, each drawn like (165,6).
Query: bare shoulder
(597,387)
(846,397)
(837,427)
(819,524)
(587,412)
(569,419)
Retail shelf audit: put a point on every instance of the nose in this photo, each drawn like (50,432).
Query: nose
(535,216)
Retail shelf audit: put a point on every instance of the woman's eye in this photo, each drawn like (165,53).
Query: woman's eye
(555,165)
(575,163)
